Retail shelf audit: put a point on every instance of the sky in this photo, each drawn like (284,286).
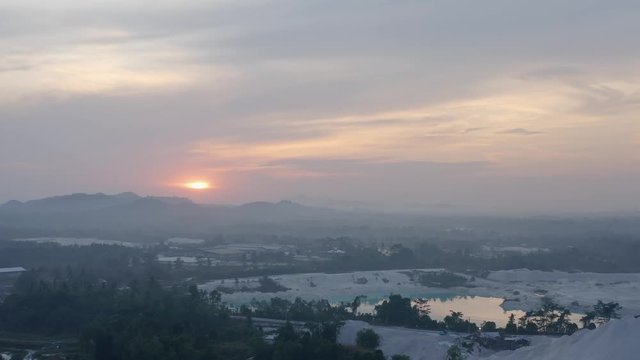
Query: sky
(458,106)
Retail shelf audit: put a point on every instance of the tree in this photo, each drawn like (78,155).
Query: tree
(455,353)
(287,333)
(424,309)
(551,318)
(455,322)
(215,297)
(587,321)
(443,279)
(606,311)
(601,313)
(488,326)
(355,304)
(397,311)
(452,320)
(368,339)
(400,357)
(401,254)
(511,327)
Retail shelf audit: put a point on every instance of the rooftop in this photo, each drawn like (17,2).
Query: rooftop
(8,270)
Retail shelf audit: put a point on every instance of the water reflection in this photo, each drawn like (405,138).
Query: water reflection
(477,309)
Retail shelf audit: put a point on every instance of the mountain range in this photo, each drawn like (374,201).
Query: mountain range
(129,211)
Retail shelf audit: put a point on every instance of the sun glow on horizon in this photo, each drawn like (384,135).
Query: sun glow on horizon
(197,185)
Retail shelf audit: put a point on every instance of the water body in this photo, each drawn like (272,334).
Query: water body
(477,309)
(375,286)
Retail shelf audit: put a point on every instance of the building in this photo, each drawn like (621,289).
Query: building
(12,270)
(8,277)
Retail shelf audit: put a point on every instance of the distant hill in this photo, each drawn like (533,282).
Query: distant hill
(129,211)
(138,216)
(69,203)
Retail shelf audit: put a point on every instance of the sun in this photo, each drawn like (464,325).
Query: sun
(197,185)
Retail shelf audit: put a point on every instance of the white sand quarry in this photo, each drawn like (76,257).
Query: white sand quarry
(578,291)
(616,340)
(523,290)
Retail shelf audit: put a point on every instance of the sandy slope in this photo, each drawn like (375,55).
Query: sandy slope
(418,344)
(617,340)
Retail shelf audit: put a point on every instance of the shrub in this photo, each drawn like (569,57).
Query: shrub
(443,279)
(400,357)
(367,339)
(454,353)
(488,326)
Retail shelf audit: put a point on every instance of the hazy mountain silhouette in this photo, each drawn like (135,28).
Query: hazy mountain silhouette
(73,202)
(91,214)
(129,211)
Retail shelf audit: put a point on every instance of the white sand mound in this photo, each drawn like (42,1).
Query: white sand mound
(617,340)
(418,344)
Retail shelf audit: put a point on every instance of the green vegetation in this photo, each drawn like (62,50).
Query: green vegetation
(143,321)
(95,295)
(455,353)
(550,319)
(455,322)
(316,344)
(442,279)
(123,264)
(297,310)
(147,321)
(601,313)
(367,339)
(488,326)
(397,311)
(266,285)
(400,357)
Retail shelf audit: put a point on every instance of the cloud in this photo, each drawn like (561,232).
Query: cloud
(471,130)
(520,131)
(602,99)
(363,167)
(271,97)
(553,72)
